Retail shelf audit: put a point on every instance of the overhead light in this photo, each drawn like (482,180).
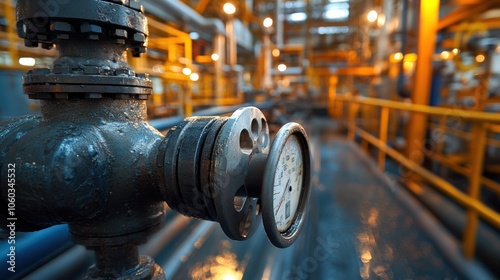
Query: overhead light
(337,11)
(27,61)
(194,77)
(268,22)
(276,52)
(194,35)
(372,16)
(445,55)
(186,71)
(229,8)
(323,30)
(215,56)
(297,17)
(398,57)
(455,51)
(339,14)
(282,67)
(381,20)
(480,58)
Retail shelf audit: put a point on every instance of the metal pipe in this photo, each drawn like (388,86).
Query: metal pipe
(404,27)
(174,10)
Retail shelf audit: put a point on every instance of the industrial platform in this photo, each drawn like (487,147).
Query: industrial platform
(361,225)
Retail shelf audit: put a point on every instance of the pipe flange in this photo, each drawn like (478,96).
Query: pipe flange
(245,134)
(121,21)
(87,82)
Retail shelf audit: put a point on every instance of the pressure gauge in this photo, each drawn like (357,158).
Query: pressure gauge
(226,170)
(285,186)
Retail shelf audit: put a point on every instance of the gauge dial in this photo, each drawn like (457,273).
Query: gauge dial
(287,184)
(285,187)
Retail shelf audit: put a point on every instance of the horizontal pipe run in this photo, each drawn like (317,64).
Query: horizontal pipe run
(166,123)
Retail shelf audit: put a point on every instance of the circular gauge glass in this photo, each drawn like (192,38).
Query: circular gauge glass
(288,184)
(285,187)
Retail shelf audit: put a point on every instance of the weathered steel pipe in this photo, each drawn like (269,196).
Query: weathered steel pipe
(93,162)
(90,160)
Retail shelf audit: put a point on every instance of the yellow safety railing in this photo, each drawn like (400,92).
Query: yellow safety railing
(481,122)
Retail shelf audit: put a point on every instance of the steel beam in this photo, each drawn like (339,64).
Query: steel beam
(417,126)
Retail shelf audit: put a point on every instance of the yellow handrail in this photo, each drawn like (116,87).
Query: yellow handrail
(471,200)
(437,111)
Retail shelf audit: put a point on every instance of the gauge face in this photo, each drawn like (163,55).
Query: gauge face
(285,186)
(288,184)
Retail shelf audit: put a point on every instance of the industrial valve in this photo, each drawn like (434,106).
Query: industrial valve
(93,162)
(226,170)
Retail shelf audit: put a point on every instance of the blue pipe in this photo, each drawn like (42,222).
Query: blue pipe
(32,250)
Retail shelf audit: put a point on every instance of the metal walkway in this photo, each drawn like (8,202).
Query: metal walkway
(358,228)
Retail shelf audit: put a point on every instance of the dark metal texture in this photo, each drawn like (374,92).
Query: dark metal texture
(123,262)
(206,165)
(353,211)
(58,21)
(90,160)
(91,36)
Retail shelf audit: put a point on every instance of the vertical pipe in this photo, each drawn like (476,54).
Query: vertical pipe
(218,46)
(188,98)
(351,134)
(279,24)
(11,31)
(231,43)
(383,39)
(384,123)
(417,126)
(332,92)
(232,56)
(477,158)
(404,27)
(267,81)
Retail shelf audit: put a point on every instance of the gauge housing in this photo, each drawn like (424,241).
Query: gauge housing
(287,237)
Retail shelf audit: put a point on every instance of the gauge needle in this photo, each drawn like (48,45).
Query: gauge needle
(282,197)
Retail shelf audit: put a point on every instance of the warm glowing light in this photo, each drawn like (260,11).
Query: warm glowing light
(412,57)
(268,22)
(215,56)
(229,8)
(27,61)
(366,256)
(398,57)
(445,55)
(194,77)
(480,58)
(455,51)
(186,71)
(276,52)
(372,16)
(381,20)
(282,67)
(408,65)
